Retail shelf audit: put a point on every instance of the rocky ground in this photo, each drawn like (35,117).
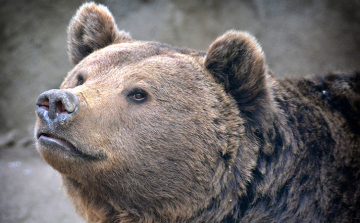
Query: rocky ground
(298,37)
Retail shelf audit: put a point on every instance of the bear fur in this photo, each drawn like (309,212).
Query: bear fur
(147,132)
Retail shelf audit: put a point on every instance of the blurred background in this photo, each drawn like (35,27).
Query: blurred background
(304,37)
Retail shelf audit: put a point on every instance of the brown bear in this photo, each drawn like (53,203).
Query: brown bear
(147,132)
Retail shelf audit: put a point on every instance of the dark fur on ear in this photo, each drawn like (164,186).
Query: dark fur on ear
(92,28)
(237,61)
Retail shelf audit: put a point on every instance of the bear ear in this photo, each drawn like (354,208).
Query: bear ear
(237,61)
(92,28)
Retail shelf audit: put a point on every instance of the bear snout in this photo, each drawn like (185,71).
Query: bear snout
(56,106)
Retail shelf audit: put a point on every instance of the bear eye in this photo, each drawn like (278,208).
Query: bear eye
(80,80)
(137,95)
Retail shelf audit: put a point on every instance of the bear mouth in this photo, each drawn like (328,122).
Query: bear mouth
(65,145)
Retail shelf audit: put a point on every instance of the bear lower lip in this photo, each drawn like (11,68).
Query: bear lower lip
(66,145)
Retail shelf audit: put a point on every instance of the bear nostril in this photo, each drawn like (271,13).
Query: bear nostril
(60,108)
(44,104)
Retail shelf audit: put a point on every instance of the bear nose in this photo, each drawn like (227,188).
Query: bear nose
(56,105)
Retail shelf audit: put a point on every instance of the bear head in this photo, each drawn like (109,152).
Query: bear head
(144,131)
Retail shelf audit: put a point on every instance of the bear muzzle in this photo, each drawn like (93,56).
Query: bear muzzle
(55,111)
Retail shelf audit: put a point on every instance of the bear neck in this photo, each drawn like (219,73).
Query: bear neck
(296,165)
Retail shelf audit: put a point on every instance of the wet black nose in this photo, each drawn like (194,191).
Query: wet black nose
(56,106)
